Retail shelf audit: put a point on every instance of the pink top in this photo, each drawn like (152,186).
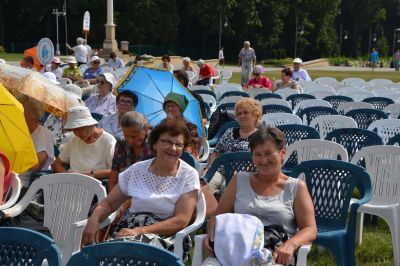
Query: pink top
(263,81)
(7,176)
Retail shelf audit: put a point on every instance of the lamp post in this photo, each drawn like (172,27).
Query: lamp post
(57,13)
(65,24)
(221,29)
(371,40)
(343,35)
(396,39)
(299,32)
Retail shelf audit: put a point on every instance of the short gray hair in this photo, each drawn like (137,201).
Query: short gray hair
(36,108)
(79,40)
(134,119)
(247,42)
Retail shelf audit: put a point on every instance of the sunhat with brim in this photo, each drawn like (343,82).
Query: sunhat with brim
(52,77)
(109,78)
(96,58)
(258,69)
(56,60)
(79,116)
(298,61)
(70,60)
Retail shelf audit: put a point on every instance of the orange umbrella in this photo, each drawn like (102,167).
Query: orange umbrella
(33,52)
(33,84)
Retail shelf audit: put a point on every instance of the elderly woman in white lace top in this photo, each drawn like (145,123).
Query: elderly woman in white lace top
(164,192)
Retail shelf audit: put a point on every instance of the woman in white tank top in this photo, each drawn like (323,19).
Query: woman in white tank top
(269,195)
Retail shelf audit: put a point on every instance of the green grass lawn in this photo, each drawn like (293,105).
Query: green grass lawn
(11,57)
(339,75)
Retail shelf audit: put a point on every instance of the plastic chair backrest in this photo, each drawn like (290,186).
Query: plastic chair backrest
(353,80)
(233,93)
(336,100)
(383,164)
(326,123)
(295,133)
(358,95)
(232,162)
(230,99)
(309,113)
(345,107)
(226,75)
(13,192)
(97,116)
(275,101)
(385,128)
(64,81)
(325,80)
(321,94)
(378,103)
(284,93)
(267,96)
(200,87)
(364,117)
(189,159)
(393,110)
(313,149)
(221,130)
(275,108)
(226,106)
(221,89)
(20,246)
(354,139)
(309,103)
(331,184)
(124,253)
(253,92)
(294,99)
(395,140)
(277,119)
(384,82)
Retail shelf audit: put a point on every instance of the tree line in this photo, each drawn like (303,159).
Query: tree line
(270,25)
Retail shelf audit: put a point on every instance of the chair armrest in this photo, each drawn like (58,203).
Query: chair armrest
(198,250)
(15,187)
(302,255)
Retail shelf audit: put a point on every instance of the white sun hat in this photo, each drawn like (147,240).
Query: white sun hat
(79,116)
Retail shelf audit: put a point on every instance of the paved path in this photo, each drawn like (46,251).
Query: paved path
(328,68)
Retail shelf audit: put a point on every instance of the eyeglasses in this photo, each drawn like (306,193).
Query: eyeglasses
(122,102)
(168,143)
(96,62)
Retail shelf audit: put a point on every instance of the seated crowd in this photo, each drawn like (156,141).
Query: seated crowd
(143,165)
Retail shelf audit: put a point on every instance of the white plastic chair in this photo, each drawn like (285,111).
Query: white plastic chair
(83,67)
(210,100)
(214,79)
(375,88)
(325,80)
(383,82)
(230,99)
(320,94)
(383,165)
(284,93)
(200,87)
(326,123)
(314,149)
(393,110)
(13,192)
(204,150)
(348,106)
(226,76)
(318,87)
(67,200)
(353,81)
(309,103)
(278,119)
(198,252)
(191,76)
(385,128)
(64,81)
(275,101)
(221,89)
(107,69)
(358,95)
(198,222)
(253,92)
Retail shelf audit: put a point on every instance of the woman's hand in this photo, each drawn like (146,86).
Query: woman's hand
(90,233)
(283,254)
(130,232)
(209,243)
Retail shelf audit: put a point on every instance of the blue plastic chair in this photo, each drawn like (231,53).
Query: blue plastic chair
(97,116)
(208,110)
(296,98)
(298,132)
(331,184)
(263,96)
(337,100)
(275,108)
(309,113)
(364,117)
(212,142)
(124,253)
(233,93)
(20,246)
(225,107)
(395,140)
(378,103)
(354,139)
(232,162)
(189,159)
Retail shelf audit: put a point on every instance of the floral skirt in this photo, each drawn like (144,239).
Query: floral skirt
(132,220)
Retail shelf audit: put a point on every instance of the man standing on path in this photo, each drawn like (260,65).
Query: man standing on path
(247,60)
(298,72)
(221,58)
(374,58)
(396,59)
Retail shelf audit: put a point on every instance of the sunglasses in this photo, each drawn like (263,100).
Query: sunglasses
(101,82)
(96,62)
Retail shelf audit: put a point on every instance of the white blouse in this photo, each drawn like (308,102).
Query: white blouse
(157,194)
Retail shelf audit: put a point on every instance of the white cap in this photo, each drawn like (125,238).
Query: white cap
(70,60)
(79,116)
(298,61)
(109,78)
(52,77)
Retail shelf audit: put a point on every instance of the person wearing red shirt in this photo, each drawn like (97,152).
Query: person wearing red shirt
(258,80)
(206,72)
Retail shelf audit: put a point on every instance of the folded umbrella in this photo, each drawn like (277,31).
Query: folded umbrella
(15,139)
(151,86)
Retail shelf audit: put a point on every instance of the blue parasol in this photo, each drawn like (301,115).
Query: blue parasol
(151,86)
